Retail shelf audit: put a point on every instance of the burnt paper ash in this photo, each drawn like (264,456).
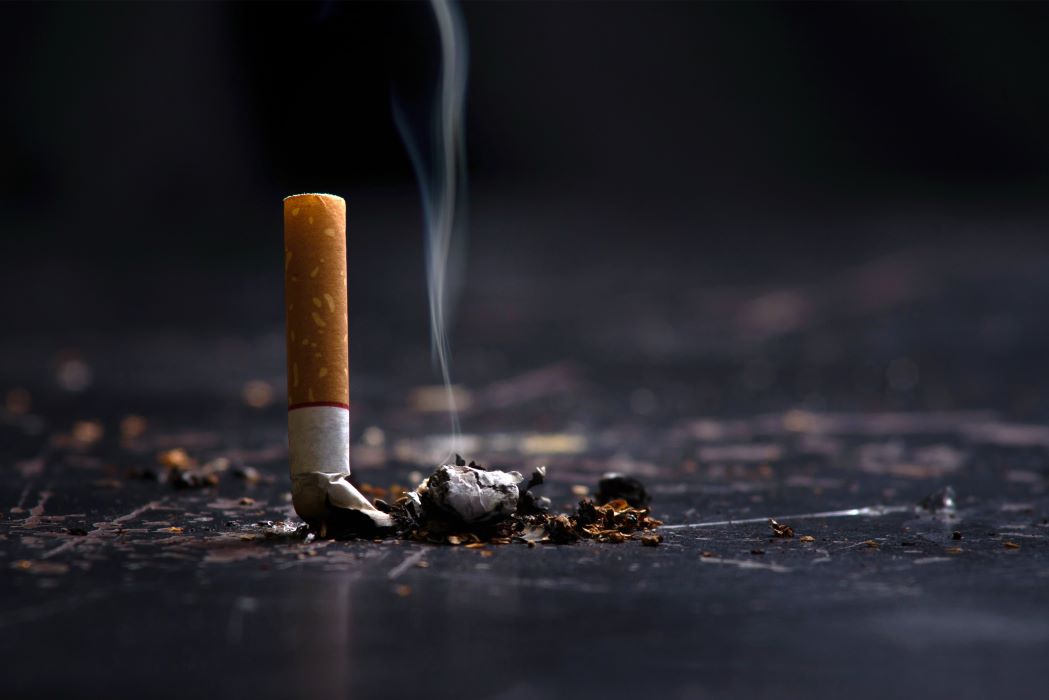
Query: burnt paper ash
(469,494)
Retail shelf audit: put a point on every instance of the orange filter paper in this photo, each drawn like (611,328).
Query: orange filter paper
(315,300)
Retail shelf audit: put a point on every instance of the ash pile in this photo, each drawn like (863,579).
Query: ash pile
(467,505)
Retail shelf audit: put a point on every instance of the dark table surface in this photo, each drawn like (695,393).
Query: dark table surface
(835,402)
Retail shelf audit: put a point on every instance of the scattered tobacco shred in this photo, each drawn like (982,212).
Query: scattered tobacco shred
(781,529)
(614,522)
(1010,545)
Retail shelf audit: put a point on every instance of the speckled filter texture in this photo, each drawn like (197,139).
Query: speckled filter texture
(315,299)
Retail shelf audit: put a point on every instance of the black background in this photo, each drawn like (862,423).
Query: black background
(625,158)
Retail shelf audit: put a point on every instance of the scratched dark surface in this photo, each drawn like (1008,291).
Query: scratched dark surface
(859,387)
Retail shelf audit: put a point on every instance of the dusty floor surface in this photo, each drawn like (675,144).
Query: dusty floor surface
(733,404)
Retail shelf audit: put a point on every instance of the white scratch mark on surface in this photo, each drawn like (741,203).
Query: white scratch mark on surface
(869,511)
(409,561)
(748,564)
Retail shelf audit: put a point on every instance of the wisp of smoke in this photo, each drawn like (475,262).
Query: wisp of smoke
(440,167)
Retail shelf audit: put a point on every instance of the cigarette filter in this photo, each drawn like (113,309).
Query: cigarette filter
(318,362)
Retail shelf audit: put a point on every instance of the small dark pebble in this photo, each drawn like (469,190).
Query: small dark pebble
(615,486)
(757,551)
(956,535)
(78,531)
(909,544)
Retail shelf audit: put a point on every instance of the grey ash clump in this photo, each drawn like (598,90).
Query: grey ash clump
(470,494)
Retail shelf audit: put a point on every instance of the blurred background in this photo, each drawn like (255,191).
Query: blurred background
(720,208)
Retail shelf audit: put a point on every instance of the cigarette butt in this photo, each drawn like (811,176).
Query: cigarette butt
(318,358)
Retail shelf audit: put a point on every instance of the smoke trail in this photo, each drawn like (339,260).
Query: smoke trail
(440,167)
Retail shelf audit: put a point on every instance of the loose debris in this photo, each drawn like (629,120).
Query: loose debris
(467,505)
(252,475)
(943,500)
(781,529)
(184,472)
(132,427)
(806,538)
(1010,545)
